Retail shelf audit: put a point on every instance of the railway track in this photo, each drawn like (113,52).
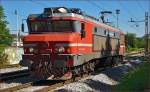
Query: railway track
(29,84)
(54,86)
(50,84)
(60,83)
(15,88)
(13,75)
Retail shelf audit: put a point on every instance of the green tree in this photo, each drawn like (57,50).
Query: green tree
(5,37)
(130,40)
(140,42)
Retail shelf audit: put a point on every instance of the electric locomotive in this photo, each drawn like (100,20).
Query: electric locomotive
(63,42)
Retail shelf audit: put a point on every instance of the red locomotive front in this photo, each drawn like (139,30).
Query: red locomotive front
(64,42)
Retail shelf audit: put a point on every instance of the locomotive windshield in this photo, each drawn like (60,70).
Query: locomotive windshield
(54,26)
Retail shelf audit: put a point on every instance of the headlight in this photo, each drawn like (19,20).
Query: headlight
(31,50)
(35,51)
(60,49)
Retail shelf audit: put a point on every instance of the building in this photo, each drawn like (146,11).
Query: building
(15,42)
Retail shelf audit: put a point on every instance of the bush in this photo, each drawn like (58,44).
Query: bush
(3,56)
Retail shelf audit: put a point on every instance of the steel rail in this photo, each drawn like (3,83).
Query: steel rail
(61,83)
(13,75)
(15,88)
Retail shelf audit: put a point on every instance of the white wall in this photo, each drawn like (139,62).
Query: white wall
(14,54)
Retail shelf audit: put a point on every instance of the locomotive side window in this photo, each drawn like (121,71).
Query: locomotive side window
(98,31)
(105,32)
(111,34)
(95,30)
(116,34)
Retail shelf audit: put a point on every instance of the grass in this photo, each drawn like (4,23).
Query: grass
(130,50)
(135,81)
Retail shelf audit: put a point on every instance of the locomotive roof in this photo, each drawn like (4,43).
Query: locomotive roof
(84,17)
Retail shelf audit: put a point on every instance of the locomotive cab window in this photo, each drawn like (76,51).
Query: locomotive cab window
(55,26)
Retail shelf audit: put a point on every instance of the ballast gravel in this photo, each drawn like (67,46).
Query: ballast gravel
(5,70)
(102,81)
(16,82)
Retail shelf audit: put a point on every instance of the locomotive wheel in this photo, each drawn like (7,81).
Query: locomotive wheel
(92,66)
(88,68)
(67,75)
(116,61)
(75,72)
(81,70)
(84,68)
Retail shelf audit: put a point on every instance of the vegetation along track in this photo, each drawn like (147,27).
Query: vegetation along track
(13,75)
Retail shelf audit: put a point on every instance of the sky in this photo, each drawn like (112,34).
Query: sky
(134,9)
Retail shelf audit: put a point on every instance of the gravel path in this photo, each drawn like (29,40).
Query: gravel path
(100,82)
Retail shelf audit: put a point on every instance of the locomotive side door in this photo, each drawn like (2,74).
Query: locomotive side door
(85,42)
(85,39)
(122,44)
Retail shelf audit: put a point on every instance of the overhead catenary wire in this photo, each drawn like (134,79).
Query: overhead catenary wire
(139,4)
(41,4)
(125,9)
(128,12)
(102,8)
(96,5)
(92,3)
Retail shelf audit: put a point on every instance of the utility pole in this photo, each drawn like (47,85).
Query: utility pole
(149,43)
(117,13)
(146,30)
(17,41)
(146,33)
(149,29)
